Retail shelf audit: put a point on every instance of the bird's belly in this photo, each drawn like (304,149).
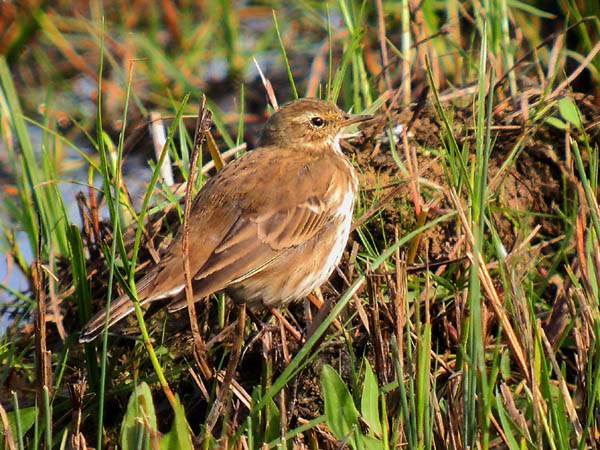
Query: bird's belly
(300,270)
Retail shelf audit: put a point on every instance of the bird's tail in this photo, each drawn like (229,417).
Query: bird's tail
(119,309)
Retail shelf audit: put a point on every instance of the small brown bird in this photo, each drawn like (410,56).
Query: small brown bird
(271,226)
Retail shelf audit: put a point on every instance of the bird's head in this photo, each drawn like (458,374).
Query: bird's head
(308,121)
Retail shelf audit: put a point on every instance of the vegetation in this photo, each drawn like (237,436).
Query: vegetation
(466,311)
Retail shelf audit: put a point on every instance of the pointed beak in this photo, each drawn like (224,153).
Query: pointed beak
(351,120)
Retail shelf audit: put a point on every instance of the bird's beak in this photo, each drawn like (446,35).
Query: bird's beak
(355,119)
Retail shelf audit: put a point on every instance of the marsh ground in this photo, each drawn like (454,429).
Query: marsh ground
(465,312)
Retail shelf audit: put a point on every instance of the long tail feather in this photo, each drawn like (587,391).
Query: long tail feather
(119,309)
(148,291)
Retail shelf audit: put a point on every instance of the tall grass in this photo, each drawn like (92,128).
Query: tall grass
(462,355)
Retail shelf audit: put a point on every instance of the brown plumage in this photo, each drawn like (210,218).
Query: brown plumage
(271,226)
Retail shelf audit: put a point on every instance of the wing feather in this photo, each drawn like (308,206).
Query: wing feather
(253,244)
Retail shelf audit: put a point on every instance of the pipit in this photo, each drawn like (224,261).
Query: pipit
(270,227)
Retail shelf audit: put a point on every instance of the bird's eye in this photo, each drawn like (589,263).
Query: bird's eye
(317,122)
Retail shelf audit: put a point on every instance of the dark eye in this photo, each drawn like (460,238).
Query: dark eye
(317,122)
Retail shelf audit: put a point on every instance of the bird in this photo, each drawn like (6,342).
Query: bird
(270,227)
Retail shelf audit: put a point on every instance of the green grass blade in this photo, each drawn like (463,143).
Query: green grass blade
(285,58)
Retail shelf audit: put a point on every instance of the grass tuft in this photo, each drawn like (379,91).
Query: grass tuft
(466,310)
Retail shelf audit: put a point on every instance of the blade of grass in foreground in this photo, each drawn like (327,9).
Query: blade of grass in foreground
(83,298)
(48,418)
(116,236)
(355,29)
(285,58)
(116,232)
(19,426)
(474,367)
(423,385)
(587,188)
(130,287)
(338,79)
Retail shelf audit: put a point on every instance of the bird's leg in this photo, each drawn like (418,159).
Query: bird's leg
(259,323)
(308,316)
(316,299)
(263,328)
(284,345)
(288,326)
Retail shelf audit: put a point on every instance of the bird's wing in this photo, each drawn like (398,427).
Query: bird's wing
(253,243)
